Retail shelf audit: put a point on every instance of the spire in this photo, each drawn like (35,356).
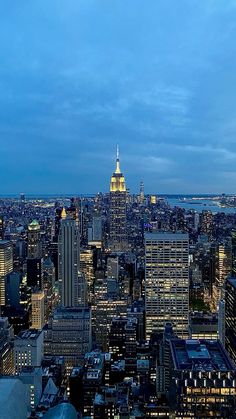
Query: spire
(117,159)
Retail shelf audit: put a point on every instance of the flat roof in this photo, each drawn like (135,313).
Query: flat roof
(166,236)
(200,355)
(29,334)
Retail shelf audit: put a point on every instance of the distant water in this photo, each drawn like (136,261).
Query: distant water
(174,200)
(203,205)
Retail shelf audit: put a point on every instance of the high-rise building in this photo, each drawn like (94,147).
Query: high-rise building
(35,272)
(118,234)
(141,193)
(34,240)
(97,228)
(223,268)
(6,348)
(230,317)
(167,282)
(1,228)
(37,301)
(28,349)
(6,267)
(207,223)
(68,262)
(233,247)
(12,284)
(69,334)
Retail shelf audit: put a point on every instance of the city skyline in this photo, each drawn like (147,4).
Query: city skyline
(159,79)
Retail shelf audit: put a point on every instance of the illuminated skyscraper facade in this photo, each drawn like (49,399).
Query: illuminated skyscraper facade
(34,241)
(118,235)
(6,267)
(230,317)
(167,282)
(68,262)
(1,228)
(37,300)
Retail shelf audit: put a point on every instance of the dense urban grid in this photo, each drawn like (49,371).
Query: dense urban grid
(117,306)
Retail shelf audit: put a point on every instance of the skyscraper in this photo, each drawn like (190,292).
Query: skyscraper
(230,317)
(167,282)
(6,267)
(233,246)
(37,300)
(1,228)
(34,240)
(118,236)
(68,262)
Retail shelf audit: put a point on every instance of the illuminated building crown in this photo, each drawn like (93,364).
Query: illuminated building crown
(117,183)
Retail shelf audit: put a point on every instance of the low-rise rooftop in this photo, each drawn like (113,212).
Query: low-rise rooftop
(200,355)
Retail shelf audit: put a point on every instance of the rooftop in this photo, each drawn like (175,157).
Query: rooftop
(29,334)
(200,355)
(166,236)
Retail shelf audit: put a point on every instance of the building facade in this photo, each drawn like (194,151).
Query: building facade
(6,267)
(68,262)
(230,317)
(167,282)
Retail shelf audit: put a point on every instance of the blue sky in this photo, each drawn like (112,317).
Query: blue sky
(156,76)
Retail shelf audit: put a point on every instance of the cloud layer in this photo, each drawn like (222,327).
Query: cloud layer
(157,77)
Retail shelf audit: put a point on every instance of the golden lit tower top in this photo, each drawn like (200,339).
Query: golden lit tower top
(117,183)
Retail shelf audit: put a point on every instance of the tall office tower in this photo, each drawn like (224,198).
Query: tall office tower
(113,267)
(230,317)
(223,268)
(82,290)
(97,228)
(12,284)
(6,267)
(69,334)
(37,301)
(167,282)
(57,223)
(118,236)
(207,223)
(6,349)
(1,228)
(141,193)
(28,349)
(233,247)
(68,262)
(34,240)
(87,268)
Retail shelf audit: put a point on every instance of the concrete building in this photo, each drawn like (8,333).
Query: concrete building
(28,349)
(230,317)
(34,240)
(167,282)
(6,347)
(6,267)
(68,262)
(69,334)
(38,318)
(203,380)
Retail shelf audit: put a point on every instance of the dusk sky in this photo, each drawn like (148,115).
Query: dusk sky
(156,76)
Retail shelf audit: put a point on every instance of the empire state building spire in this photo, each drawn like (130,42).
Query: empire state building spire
(117,160)
(117,183)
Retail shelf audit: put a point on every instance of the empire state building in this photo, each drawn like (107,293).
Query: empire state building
(118,235)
